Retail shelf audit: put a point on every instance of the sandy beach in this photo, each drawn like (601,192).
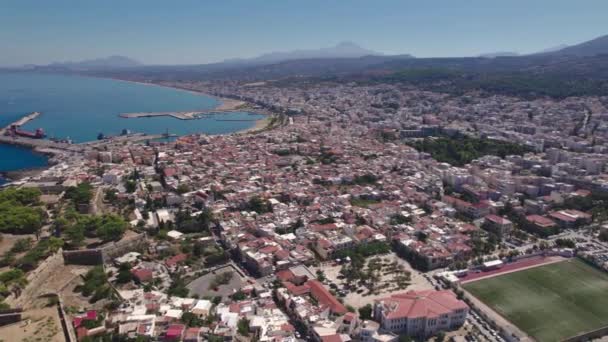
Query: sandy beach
(226,104)
(259,125)
(229,104)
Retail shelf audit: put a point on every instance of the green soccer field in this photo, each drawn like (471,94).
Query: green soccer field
(551,302)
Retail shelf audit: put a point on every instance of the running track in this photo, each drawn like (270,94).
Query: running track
(512,267)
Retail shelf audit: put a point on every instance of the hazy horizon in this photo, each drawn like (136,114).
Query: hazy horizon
(197,32)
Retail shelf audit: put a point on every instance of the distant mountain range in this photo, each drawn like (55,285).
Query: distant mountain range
(597,46)
(554,49)
(349,58)
(105,63)
(341,50)
(499,54)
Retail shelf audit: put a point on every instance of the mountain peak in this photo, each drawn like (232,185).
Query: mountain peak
(345,49)
(499,54)
(596,46)
(114,61)
(347,44)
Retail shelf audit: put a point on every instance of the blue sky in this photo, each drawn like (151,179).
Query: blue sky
(200,31)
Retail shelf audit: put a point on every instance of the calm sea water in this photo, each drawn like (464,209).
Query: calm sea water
(80,108)
(16,158)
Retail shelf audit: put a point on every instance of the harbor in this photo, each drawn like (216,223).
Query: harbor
(226,106)
(12,135)
(69,129)
(26,119)
(189,115)
(178,115)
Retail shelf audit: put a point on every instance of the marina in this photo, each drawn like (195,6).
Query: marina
(178,115)
(186,115)
(226,106)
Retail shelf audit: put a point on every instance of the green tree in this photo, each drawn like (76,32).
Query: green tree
(74,235)
(60,225)
(421,236)
(130,186)
(238,295)
(124,273)
(405,338)
(18,219)
(365,312)
(81,194)
(243,327)
(110,195)
(192,320)
(54,244)
(259,205)
(95,285)
(183,188)
(178,288)
(24,196)
(400,219)
(22,245)
(112,228)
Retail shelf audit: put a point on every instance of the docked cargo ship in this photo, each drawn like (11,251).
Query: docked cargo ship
(15,130)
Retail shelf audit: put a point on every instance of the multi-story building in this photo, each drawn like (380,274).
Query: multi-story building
(497,225)
(420,313)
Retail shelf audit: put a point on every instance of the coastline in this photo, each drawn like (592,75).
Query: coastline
(259,125)
(17,175)
(224,104)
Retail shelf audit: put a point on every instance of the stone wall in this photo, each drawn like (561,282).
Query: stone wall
(36,280)
(83,257)
(119,248)
(10,316)
(106,253)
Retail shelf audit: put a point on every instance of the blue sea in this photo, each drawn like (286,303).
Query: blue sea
(79,108)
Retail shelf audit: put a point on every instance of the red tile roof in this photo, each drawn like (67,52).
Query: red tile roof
(176,259)
(332,338)
(541,221)
(285,275)
(415,304)
(497,219)
(322,295)
(175,331)
(288,327)
(269,249)
(77,321)
(91,315)
(296,290)
(282,254)
(142,274)
(322,227)
(81,332)
(169,172)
